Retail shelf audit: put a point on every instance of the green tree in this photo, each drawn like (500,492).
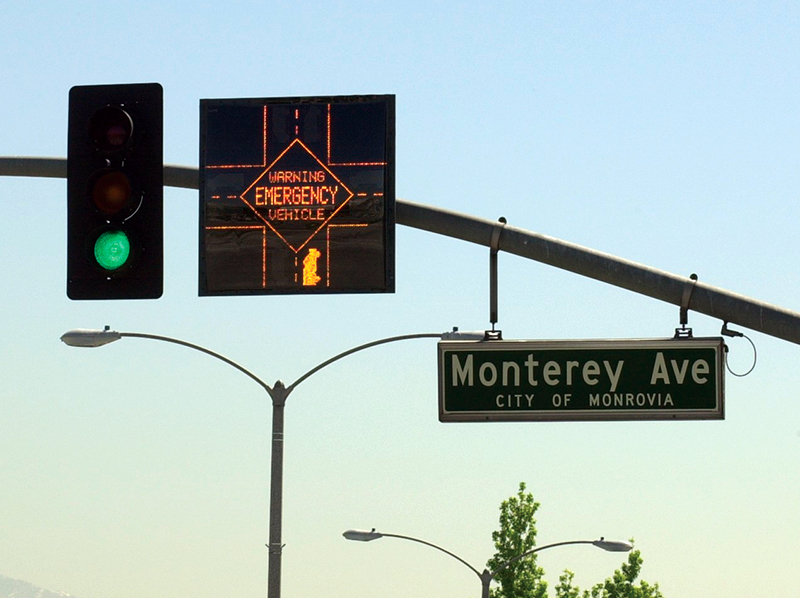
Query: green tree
(517,534)
(524,578)
(620,585)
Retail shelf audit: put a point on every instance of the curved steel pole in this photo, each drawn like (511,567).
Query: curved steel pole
(432,545)
(176,341)
(712,301)
(382,341)
(278,393)
(537,549)
(487,576)
(709,300)
(56,168)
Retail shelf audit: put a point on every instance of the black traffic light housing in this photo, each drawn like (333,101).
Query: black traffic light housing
(115,187)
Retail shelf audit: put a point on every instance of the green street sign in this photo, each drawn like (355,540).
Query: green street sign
(588,380)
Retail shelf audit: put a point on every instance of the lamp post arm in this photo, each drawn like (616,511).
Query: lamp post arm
(343,354)
(537,549)
(278,395)
(176,341)
(439,548)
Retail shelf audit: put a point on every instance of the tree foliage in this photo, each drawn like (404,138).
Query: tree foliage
(524,578)
(517,535)
(620,585)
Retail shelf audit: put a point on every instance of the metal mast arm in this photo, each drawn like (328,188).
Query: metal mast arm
(712,301)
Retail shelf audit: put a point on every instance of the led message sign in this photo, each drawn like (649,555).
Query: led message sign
(297,195)
(581,380)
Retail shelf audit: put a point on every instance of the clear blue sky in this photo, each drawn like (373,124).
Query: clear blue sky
(665,133)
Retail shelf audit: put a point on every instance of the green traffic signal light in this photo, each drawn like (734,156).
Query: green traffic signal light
(112,250)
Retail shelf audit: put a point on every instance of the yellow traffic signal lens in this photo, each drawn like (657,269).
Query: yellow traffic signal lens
(111,191)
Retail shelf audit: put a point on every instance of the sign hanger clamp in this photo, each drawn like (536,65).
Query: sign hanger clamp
(494,248)
(683,331)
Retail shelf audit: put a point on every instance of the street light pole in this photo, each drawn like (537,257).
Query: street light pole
(278,394)
(487,576)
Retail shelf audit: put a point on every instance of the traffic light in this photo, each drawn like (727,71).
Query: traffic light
(115,192)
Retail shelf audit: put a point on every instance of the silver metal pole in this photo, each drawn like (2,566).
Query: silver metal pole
(487,576)
(275,546)
(658,284)
(278,393)
(712,301)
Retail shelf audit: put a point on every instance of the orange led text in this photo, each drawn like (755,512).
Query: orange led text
(288,214)
(301,195)
(297,176)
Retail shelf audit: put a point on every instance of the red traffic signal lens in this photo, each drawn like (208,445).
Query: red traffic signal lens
(111,191)
(110,128)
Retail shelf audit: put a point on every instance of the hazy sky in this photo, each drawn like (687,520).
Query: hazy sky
(667,133)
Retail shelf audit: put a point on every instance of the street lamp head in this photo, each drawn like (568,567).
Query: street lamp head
(458,335)
(90,338)
(613,545)
(360,535)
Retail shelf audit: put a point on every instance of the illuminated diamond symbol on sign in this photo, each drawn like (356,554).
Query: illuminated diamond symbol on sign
(297,195)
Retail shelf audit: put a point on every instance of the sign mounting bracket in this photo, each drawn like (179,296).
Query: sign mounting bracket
(683,331)
(494,248)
